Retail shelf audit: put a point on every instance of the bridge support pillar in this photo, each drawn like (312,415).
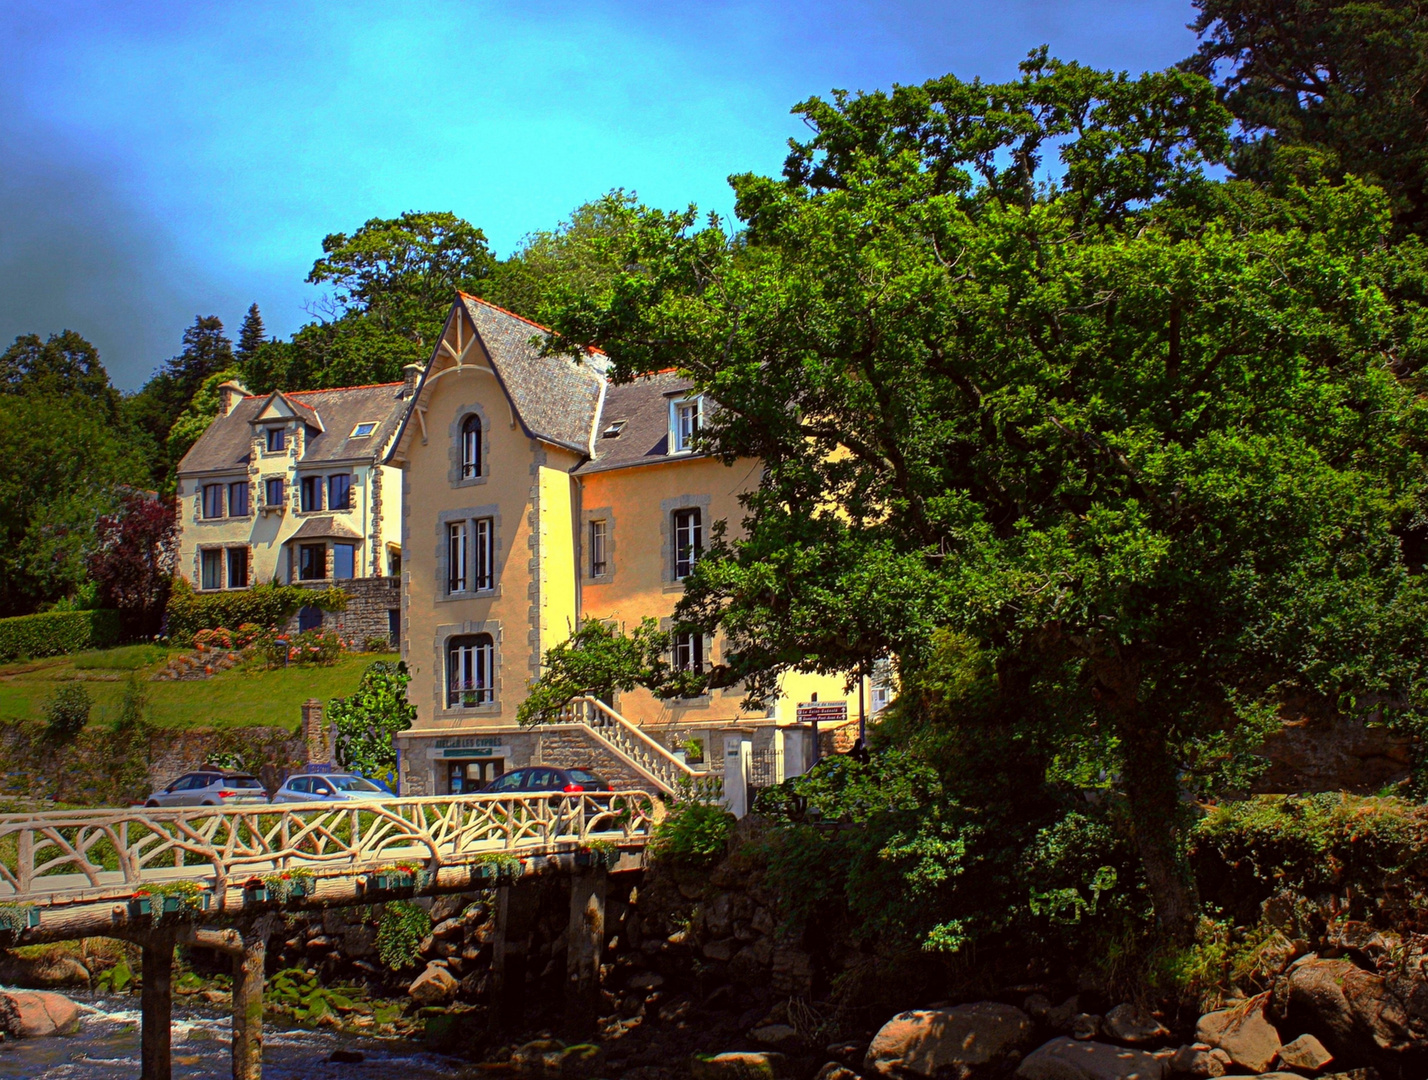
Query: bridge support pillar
(586,937)
(157,1005)
(248,978)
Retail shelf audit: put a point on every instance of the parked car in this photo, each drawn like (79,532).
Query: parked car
(543,778)
(210,787)
(329,787)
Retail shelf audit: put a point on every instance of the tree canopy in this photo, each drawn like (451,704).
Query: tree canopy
(1146,444)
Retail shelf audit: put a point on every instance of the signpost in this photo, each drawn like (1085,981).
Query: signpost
(828,712)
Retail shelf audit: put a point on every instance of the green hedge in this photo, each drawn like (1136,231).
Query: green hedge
(190,611)
(54,633)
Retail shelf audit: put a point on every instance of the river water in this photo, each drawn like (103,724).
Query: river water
(107,1048)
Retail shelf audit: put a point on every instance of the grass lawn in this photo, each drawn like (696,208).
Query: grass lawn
(247,696)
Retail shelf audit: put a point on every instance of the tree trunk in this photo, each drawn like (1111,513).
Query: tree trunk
(1153,792)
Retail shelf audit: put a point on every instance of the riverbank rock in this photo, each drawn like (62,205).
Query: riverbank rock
(1131,1024)
(1243,1032)
(1349,1008)
(764,1065)
(1199,1061)
(957,1042)
(1306,1054)
(34,1014)
(1070,1059)
(434,986)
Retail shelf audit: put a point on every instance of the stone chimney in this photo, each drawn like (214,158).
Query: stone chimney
(314,732)
(411,375)
(229,394)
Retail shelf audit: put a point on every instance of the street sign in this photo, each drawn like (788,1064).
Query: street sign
(822,712)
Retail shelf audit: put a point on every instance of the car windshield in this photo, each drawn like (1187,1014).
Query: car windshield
(242,782)
(580,776)
(353,783)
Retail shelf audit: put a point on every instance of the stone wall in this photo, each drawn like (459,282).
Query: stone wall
(368,602)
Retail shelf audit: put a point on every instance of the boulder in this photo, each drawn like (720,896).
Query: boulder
(1243,1032)
(1085,1026)
(762,1065)
(33,1014)
(1199,1060)
(957,1042)
(434,986)
(777,1037)
(1350,1009)
(1132,1024)
(1070,1059)
(1305,1053)
(834,1071)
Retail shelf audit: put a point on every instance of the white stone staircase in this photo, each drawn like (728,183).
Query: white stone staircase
(640,752)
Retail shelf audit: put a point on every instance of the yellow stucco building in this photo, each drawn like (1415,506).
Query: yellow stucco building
(292,487)
(536,494)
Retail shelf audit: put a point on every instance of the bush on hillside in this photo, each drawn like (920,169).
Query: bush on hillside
(56,633)
(190,611)
(67,712)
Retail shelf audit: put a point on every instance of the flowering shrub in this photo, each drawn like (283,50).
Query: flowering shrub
(309,647)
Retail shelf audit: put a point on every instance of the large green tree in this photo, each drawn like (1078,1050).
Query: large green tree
(1145,443)
(64,365)
(1344,80)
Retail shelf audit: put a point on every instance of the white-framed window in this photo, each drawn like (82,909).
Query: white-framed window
(210,569)
(339,491)
(344,561)
(599,543)
(470,447)
(456,557)
(364,429)
(685,419)
(484,533)
(310,488)
(470,671)
(689,651)
(688,528)
(238,566)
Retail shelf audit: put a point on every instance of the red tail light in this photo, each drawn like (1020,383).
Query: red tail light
(571,789)
(226,794)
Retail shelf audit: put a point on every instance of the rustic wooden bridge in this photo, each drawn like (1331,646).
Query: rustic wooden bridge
(220,877)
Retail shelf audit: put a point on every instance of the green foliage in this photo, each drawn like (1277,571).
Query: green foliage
(322,647)
(187,893)
(693,834)
(600,658)
(57,633)
(369,719)
(305,999)
(1147,442)
(67,713)
(65,365)
(14,917)
(1331,86)
(197,414)
(269,605)
(284,885)
(400,932)
(117,979)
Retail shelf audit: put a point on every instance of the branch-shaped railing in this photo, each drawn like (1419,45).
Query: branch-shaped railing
(651,759)
(47,855)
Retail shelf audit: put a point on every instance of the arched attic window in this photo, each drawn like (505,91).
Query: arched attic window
(471,447)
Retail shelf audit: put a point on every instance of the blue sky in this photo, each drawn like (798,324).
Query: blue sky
(162,160)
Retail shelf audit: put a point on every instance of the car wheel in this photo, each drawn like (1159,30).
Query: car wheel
(207,803)
(153,804)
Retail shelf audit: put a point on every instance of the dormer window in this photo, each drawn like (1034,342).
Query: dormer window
(613,431)
(684,424)
(277,440)
(361,431)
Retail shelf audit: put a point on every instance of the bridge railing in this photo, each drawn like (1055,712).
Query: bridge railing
(53,853)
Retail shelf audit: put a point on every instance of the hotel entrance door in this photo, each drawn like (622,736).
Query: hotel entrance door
(471,775)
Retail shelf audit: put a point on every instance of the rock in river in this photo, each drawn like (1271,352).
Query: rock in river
(32,1014)
(958,1042)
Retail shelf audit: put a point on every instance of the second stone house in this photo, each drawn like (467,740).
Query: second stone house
(292,487)
(537,494)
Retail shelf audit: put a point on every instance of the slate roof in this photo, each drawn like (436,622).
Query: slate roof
(555,398)
(319,528)
(228,441)
(643,405)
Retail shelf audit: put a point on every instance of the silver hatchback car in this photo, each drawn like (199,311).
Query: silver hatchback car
(329,787)
(210,787)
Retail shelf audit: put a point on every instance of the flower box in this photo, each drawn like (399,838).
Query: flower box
(141,906)
(255,894)
(386,881)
